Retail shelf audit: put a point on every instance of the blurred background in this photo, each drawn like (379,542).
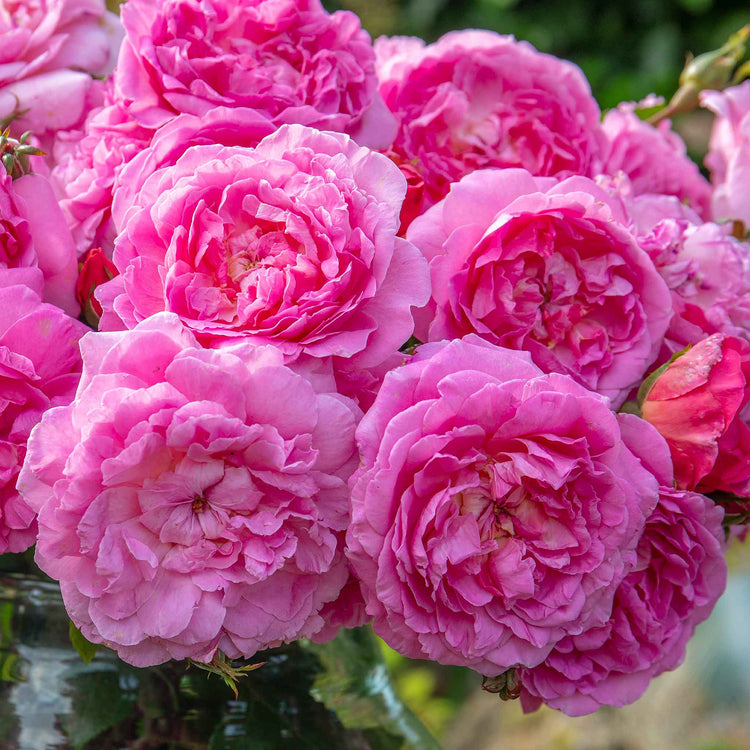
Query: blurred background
(627,50)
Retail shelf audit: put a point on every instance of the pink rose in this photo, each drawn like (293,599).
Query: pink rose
(654,158)
(680,574)
(87,163)
(228,126)
(729,151)
(496,508)
(706,269)
(192,500)
(696,404)
(292,242)
(40,367)
(33,234)
(289,59)
(548,267)
(49,51)
(475,99)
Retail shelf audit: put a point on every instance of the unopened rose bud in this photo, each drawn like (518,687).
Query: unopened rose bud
(711,70)
(696,405)
(96,269)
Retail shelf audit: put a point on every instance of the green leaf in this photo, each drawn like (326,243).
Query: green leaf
(86,650)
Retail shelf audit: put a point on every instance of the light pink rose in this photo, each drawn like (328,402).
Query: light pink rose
(33,234)
(729,151)
(706,269)
(496,508)
(39,368)
(680,574)
(289,59)
(49,51)
(654,158)
(548,267)
(190,499)
(292,242)
(475,99)
(87,163)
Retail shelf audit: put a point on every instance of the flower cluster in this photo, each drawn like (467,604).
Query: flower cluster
(394,332)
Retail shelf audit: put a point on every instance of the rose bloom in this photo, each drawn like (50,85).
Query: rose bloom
(292,242)
(41,366)
(729,151)
(680,574)
(228,126)
(49,51)
(475,99)
(654,158)
(33,234)
(699,405)
(496,507)
(289,59)
(192,500)
(706,269)
(548,267)
(87,161)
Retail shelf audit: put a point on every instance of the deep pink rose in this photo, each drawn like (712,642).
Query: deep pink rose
(729,151)
(496,507)
(39,368)
(289,59)
(292,242)
(530,263)
(680,574)
(190,499)
(87,163)
(475,99)
(33,234)
(49,51)
(654,158)
(696,404)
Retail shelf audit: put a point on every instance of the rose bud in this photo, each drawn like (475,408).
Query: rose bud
(96,269)
(697,405)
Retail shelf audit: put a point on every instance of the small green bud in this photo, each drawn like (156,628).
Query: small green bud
(711,70)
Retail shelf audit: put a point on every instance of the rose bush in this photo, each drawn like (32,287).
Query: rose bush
(292,242)
(39,368)
(496,507)
(192,500)
(548,267)
(289,60)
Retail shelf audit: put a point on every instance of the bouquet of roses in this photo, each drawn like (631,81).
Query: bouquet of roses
(399,333)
